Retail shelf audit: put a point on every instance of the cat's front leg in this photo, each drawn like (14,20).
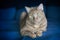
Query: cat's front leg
(28,33)
(39,33)
(32,35)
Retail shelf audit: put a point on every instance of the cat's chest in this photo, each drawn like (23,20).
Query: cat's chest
(36,26)
(31,25)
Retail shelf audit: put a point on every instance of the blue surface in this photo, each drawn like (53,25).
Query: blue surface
(10,29)
(7,13)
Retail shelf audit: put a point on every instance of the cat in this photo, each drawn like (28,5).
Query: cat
(34,23)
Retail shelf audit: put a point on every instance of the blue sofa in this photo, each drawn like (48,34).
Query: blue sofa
(9,27)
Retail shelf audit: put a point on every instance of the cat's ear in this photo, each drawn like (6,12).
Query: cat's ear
(40,6)
(28,9)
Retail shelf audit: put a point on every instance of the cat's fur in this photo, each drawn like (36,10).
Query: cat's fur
(34,23)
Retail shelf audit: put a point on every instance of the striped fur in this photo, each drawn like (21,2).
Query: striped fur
(34,23)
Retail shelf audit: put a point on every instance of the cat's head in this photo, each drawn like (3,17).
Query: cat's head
(35,13)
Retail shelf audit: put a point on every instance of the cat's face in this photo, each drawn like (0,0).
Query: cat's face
(35,14)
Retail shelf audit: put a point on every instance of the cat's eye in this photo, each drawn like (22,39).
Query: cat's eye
(30,17)
(39,14)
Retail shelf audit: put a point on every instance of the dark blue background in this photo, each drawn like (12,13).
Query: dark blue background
(10,11)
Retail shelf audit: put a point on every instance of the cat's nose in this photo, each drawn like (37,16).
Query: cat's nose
(36,18)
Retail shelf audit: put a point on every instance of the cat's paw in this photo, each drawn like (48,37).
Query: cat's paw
(39,34)
(33,35)
(43,29)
